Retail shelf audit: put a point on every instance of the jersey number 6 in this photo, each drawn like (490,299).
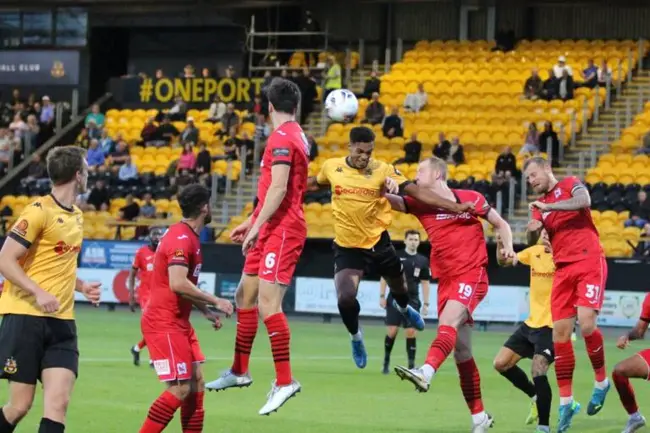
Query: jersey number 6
(269,261)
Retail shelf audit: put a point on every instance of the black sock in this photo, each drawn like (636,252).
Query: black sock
(544,398)
(49,426)
(519,379)
(5,426)
(388,348)
(402,299)
(410,351)
(349,312)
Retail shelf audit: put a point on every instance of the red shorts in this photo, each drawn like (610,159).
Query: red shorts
(468,288)
(645,355)
(578,284)
(174,354)
(275,256)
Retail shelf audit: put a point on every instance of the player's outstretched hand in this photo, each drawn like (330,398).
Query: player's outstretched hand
(213,318)
(92,290)
(225,306)
(250,239)
(538,205)
(534,225)
(623,342)
(509,256)
(391,186)
(47,302)
(468,206)
(239,233)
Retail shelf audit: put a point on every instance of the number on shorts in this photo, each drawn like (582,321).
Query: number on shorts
(592,291)
(269,261)
(465,289)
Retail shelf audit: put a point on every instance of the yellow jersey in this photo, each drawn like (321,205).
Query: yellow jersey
(361,213)
(52,234)
(542,270)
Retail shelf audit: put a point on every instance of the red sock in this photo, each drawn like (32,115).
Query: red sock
(565,363)
(470,384)
(160,413)
(192,413)
(596,352)
(626,393)
(280,336)
(442,346)
(142,344)
(247,322)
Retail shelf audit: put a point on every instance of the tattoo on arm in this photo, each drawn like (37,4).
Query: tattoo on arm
(580,200)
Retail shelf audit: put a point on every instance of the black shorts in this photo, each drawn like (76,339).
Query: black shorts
(31,344)
(394,317)
(527,341)
(382,259)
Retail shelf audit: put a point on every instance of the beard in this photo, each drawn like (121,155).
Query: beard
(207,219)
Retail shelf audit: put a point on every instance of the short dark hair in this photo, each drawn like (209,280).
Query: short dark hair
(412,232)
(63,163)
(361,134)
(284,95)
(192,198)
(536,160)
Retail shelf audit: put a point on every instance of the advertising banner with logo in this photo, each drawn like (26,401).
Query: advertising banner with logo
(108,254)
(621,308)
(39,68)
(114,284)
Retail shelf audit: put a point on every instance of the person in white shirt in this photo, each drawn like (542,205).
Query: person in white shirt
(414,102)
(217,110)
(560,67)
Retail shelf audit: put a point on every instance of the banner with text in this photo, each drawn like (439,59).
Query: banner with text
(39,68)
(108,254)
(114,284)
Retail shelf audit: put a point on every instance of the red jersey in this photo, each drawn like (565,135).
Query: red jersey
(645,309)
(457,240)
(143,263)
(167,311)
(286,145)
(573,235)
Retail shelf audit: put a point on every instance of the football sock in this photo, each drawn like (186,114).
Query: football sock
(349,312)
(49,426)
(544,399)
(141,345)
(565,363)
(625,393)
(411,347)
(470,384)
(388,348)
(402,299)
(280,336)
(5,426)
(518,378)
(247,323)
(192,413)
(596,351)
(442,346)
(161,413)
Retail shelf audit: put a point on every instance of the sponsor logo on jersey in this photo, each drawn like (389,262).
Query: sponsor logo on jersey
(11,367)
(366,192)
(179,253)
(61,248)
(161,366)
(281,151)
(450,216)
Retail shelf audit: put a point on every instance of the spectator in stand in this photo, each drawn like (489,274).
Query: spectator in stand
(5,156)
(188,71)
(531,142)
(95,157)
(36,110)
(412,151)
(415,102)
(231,150)
(308,93)
(372,86)
(95,116)
(99,197)
(442,148)
(645,148)
(506,165)
(36,171)
(167,132)
(375,111)
(217,110)
(256,107)
(106,143)
(534,85)
(47,119)
(176,113)
(560,67)
(549,143)
(456,153)
(639,212)
(128,173)
(191,133)
(550,86)
(333,77)
(149,133)
(603,74)
(230,72)
(249,146)
(203,163)
(83,140)
(148,208)
(228,121)
(262,128)
(589,75)
(31,138)
(643,247)
(131,210)
(187,160)
(160,74)
(565,86)
(206,73)
(16,99)
(93,130)
(120,156)
(393,125)
(18,127)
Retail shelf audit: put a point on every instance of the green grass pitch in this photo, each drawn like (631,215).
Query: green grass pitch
(112,396)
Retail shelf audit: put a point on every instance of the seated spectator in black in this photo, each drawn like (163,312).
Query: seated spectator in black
(16,98)
(131,210)
(231,149)
(375,111)
(176,113)
(549,144)
(393,125)
(120,156)
(506,165)
(565,86)
(456,152)
(228,121)
(206,73)
(412,150)
(167,132)
(217,110)
(415,102)
(128,173)
(550,86)
(83,140)
(639,212)
(533,86)
(603,74)
(313,147)
(203,162)
(442,147)
(191,133)
(372,86)
(35,110)
(148,208)
(255,108)
(643,247)
(95,157)
(308,93)
(184,178)
(505,39)
(589,75)
(99,197)
(149,133)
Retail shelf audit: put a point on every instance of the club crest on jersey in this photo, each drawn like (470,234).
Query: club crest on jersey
(10,366)
(545,214)
(368,172)
(557,193)
(339,169)
(179,253)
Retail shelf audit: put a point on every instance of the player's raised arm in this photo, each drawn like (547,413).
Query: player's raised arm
(396,202)
(580,199)
(639,330)
(504,236)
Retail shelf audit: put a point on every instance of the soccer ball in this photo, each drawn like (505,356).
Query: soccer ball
(341,105)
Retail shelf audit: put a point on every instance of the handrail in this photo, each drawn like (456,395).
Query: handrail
(52,141)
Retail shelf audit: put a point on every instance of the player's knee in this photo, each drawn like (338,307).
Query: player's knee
(562,332)
(587,328)
(17,410)
(501,364)
(410,332)
(56,405)
(619,370)
(346,297)
(462,355)
(246,294)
